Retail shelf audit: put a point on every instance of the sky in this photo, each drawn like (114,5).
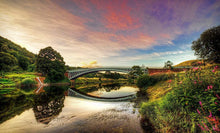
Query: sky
(110,32)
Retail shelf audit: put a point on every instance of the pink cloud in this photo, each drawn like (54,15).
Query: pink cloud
(117,21)
(95,29)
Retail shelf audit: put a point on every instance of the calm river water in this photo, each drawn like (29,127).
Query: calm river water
(58,110)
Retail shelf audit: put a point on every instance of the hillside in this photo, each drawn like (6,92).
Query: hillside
(187,63)
(13,57)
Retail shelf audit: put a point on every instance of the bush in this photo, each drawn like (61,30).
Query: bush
(161,77)
(28,82)
(143,80)
(55,76)
(146,80)
(192,106)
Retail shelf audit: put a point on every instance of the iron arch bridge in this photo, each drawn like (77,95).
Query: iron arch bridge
(77,93)
(73,74)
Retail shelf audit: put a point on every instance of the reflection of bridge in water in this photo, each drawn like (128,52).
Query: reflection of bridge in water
(77,93)
(73,74)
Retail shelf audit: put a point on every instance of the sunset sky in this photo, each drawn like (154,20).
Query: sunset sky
(110,32)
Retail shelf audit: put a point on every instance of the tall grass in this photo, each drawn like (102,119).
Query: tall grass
(147,80)
(193,105)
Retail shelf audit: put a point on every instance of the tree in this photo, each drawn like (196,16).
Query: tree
(168,64)
(7,61)
(208,45)
(136,71)
(50,63)
(23,62)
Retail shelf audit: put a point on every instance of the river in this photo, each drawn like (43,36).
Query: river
(58,110)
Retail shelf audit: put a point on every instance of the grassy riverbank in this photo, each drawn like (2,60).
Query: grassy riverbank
(10,82)
(13,79)
(83,80)
(188,103)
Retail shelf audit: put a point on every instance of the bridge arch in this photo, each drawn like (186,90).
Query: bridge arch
(77,93)
(73,74)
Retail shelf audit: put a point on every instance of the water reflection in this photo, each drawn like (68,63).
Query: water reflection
(12,106)
(49,104)
(94,87)
(45,112)
(108,90)
(110,87)
(46,105)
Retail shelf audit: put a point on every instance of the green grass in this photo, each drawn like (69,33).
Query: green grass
(83,80)
(21,75)
(9,91)
(6,82)
(186,63)
(185,104)
(12,79)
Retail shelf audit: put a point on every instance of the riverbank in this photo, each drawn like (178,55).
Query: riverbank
(83,80)
(14,79)
(188,103)
(13,83)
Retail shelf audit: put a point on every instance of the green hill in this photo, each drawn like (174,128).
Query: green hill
(187,63)
(15,58)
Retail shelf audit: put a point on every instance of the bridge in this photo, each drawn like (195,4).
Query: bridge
(77,93)
(73,74)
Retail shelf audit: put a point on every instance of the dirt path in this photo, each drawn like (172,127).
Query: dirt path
(40,84)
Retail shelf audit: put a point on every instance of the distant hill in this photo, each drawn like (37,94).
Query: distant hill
(187,63)
(14,57)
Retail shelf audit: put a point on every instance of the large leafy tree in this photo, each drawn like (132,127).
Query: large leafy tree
(7,61)
(23,62)
(136,71)
(208,45)
(50,63)
(168,64)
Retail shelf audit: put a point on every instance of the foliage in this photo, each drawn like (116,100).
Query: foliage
(158,90)
(168,64)
(208,45)
(146,80)
(6,82)
(143,81)
(11,79)
(28,82)
(90,75)
(71,67)
(50,63)
(7,61)
(192,106)
(15,105)
(113,75)
(31,68)
(23,62)
(14,55)
(134,73)
(136,70)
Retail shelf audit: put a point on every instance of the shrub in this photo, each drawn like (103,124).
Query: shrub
(146,80)
(143,80)
(54,75)
(28,82)
(192,106)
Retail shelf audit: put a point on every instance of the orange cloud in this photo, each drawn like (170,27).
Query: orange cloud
(91,64)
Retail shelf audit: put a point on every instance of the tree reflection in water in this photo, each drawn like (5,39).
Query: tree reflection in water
(110,87)
(49,104)
(15,105)
(95,87)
